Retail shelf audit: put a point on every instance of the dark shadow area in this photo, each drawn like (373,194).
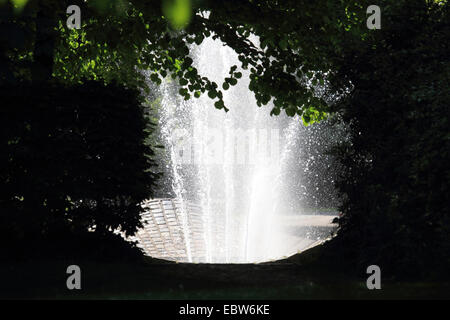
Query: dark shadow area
(76,144)
(394,175)
(299,277)
(74,159)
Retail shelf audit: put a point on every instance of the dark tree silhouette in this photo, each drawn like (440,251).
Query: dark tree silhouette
(73,159)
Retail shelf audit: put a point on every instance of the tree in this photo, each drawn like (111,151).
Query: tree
(395,170)
(73,159)
(118,39)
(312,58)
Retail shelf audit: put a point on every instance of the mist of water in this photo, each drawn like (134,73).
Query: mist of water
(233,166)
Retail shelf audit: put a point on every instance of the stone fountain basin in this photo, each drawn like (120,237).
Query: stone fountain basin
(162,235)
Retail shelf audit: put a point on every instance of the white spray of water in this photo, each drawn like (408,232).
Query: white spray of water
(235,171)
(166,116)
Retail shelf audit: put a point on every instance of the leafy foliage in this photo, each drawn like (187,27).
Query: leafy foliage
(395,170)
(73,159)
(178,12)
(288,46)
(307,57)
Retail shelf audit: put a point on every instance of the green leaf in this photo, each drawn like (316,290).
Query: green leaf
(18,5)
(306,119)
(154,77)
(178,12)
(219,104)
(188,61)
(212,94)
(291,111)
(275,111)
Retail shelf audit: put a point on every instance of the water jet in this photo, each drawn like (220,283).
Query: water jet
(228,175)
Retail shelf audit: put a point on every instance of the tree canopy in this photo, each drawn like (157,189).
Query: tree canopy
(308,58)
(291,48)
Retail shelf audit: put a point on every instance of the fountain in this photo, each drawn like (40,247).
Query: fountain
(233,168)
